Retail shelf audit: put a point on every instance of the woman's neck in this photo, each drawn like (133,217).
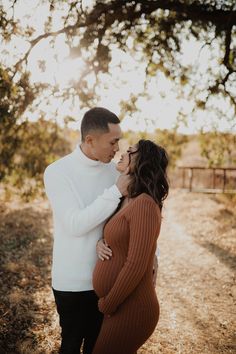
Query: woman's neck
(125,202)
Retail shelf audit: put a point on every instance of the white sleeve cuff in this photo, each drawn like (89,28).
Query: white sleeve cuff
(115,191)
(157,253)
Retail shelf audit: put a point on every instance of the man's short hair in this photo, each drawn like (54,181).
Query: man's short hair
(97,119)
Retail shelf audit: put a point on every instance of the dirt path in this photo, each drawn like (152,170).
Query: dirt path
(196,285)
(196,282)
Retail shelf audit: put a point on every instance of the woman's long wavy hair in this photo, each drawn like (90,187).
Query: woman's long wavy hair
(149,174)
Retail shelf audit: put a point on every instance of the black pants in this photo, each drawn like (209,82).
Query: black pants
(80,320)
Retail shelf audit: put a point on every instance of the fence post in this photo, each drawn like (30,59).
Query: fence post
(224,180)
(188,176)
(191,179)
(183,178)
(214,178)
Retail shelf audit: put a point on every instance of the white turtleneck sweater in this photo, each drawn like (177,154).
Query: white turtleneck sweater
(82,194)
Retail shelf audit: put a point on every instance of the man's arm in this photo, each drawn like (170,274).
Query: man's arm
(75,220)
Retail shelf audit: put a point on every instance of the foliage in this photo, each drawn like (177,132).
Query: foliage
(218,148)
(155,30)
(42,142)
(172,141)
(14,99)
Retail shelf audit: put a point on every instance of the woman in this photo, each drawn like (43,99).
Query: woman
(124,284)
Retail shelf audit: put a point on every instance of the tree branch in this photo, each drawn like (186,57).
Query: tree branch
(35,41)
(113,11)
(227,48)
(199,12)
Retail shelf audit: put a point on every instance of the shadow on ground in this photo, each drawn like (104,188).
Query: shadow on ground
(223,255)
(25,254)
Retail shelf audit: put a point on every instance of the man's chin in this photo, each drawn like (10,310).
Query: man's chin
(107,160)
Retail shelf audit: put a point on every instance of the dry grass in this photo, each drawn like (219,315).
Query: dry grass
(196,285)
(28,322)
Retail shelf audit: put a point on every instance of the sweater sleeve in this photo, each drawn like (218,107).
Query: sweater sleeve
(144,224)
(78,221)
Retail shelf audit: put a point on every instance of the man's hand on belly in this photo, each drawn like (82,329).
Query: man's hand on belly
(103,250)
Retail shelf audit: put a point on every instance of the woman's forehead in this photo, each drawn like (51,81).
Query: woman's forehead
(133,148)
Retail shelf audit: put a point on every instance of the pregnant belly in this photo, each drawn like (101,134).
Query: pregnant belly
(104,276)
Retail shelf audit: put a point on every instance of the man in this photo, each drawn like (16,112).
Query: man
(83,193)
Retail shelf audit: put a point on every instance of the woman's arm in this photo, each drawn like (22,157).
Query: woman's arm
(144,223)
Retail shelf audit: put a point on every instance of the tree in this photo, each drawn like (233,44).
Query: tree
(158,28)
(154,31)
(171,140)
(218,148)
(41,143)
(14,99)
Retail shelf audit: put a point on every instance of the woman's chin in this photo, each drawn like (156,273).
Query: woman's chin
(119,168)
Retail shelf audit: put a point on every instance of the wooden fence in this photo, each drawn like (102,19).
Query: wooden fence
(189,178)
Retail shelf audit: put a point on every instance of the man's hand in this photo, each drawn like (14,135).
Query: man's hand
(103,250)
(155,267)
(123,182)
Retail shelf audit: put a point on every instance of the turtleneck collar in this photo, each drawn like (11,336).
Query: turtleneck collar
(84,159)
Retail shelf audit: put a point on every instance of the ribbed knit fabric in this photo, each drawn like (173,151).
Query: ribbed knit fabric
(124,284)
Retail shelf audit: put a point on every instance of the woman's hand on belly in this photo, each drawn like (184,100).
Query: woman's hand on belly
(101,306)
(104,307)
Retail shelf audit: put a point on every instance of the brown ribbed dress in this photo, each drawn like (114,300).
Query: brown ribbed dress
(124,284)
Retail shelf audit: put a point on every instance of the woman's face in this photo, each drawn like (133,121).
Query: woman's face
(127,160)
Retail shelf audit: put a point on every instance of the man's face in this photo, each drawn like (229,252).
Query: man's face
(105,145)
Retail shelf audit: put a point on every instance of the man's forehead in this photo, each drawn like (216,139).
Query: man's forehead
(114,131)
(114,137)
(113,126)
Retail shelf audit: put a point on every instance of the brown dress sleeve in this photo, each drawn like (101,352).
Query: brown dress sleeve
(144,224)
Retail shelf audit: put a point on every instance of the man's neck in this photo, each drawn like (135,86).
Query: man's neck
(86,151)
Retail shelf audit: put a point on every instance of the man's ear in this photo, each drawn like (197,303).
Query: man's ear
(89,139)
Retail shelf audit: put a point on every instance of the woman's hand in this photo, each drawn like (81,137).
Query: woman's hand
(102,307)
(103,250)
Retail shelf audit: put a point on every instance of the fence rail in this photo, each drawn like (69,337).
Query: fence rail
(214,189)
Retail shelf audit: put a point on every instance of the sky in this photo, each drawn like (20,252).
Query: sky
(160,110)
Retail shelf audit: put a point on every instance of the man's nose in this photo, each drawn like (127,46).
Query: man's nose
(116,148)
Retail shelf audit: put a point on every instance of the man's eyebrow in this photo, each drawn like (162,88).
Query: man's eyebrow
(113,141)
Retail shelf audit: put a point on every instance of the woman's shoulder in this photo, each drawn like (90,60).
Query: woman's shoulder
(143,206)
(145,196)
(144,200)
